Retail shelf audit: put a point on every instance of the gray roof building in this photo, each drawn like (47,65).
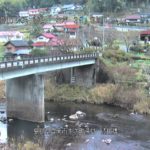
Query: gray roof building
(18,43)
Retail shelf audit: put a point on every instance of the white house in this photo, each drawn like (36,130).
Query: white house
(5,36)
(55,10)
(33,12)
(45,37)
(48,27)
(68,7)
(23,14)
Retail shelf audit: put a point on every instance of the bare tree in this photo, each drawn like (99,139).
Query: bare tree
(128,38)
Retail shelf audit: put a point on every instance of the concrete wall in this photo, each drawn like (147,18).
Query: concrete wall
(25,98)
(82,76)
(85,75)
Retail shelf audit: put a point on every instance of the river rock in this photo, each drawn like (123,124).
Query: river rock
(80,114)
(73,117)
(69,144)
(87,140)
(51,119)
(107,141)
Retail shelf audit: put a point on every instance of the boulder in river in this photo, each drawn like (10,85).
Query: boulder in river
(77,115)
(73,117)
(80,114)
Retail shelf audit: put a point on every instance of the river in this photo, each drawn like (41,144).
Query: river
(103,128)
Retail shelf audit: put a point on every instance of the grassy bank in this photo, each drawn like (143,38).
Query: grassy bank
(2,90)
(133,99)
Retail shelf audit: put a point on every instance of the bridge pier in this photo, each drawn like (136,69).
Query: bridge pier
(25,98)
(83,75)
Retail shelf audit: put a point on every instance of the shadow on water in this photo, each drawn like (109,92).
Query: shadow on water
(101,124)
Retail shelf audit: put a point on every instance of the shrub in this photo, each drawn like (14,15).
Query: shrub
(124,74)
(127,96)
(39,52)
(143,106)
(136,48)
(102,93)
(116,55)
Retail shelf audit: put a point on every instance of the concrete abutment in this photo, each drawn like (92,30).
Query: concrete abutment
(84,75)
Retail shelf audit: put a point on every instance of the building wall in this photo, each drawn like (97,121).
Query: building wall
(12,48)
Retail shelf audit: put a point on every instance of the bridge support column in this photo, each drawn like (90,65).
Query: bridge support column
(25,98)
(85,75)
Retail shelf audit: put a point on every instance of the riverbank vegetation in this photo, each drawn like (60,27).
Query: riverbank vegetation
(119,83)
(133,99)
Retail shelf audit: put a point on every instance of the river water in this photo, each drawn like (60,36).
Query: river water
(102,125)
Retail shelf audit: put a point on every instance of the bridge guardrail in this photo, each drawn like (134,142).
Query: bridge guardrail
(41,60)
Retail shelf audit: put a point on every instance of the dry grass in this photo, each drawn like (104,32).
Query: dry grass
(2,90)
(21,146)
(99,94)
(64,92)
(124,96)
(102,93)
(127,97)
(143,106)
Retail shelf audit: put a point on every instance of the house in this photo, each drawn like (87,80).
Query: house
(96,18)
(55,10)
(45,37)
(10,35)
(68,7)
(71,29)
(48,27)
(59,27)
(52,44)
(33,12)
(42,10)
(15,45)
(24,14)
(145,36)
(133,19)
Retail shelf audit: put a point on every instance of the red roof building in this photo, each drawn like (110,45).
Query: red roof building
(147,32)
(145,35)
(53,43)
(49,35)
(45,37)
(133,19)
(71,26)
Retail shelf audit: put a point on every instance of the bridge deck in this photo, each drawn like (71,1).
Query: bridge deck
(18,68)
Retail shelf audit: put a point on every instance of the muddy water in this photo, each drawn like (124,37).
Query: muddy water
(101,125)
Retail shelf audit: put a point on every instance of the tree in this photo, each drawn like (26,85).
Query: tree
(128,38)
(39,3)
(36,24)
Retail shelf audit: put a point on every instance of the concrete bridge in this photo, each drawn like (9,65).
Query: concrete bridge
(25,81)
